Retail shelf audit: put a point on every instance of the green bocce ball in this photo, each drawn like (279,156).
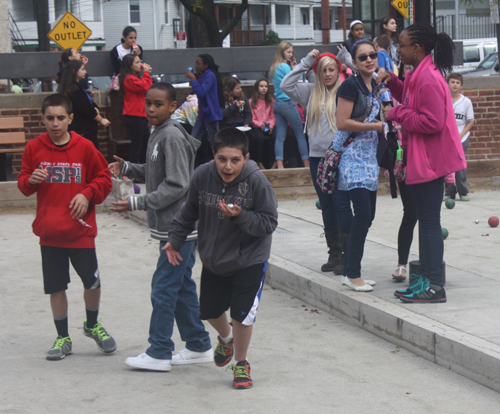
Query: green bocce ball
(450,203)
(318,205)
(445,232)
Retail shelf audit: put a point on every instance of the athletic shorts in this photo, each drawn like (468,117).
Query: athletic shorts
(241,292)
(55,267)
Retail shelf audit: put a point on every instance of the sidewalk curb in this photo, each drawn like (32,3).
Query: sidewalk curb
(448,347)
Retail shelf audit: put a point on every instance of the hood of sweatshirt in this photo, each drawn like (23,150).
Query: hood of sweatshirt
(191,142)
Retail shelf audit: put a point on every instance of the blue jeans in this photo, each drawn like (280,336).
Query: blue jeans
(343,208)
(363,203)
(428,198)
(326,200)
(174,298)
(287,113)
(200,127)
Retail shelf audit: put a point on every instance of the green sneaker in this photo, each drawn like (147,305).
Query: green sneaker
(62,347)
(104,341)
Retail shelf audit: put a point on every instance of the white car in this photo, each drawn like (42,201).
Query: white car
(474,52)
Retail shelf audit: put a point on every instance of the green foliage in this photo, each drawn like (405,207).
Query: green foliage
(272,39)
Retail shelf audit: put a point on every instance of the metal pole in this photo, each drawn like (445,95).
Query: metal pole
(456,26)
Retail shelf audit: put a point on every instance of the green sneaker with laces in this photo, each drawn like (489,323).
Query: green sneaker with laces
(62,347)
(104,341)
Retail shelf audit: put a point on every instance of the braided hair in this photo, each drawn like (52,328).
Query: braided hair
(209,61)
(426,36)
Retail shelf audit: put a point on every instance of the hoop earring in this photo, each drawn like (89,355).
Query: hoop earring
(357,72)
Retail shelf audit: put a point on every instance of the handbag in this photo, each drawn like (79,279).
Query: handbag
(328,166)
(387,151)
(115,83)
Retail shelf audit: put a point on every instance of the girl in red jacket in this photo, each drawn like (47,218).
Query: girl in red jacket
(263,120)
(135,82)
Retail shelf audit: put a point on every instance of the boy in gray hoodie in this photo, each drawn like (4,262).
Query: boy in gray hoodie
(237,211)
(167,173)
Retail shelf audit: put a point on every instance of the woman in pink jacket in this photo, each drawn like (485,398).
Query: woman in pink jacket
(431,144)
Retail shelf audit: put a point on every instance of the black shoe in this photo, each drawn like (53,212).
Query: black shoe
(431,294)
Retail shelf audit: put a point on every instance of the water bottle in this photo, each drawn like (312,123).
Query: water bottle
(91,86)
(385,95)
(266,129)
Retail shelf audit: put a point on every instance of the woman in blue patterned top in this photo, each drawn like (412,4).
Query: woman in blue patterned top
(358,109)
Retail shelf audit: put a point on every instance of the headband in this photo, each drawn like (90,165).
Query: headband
(354,22)
(315,66)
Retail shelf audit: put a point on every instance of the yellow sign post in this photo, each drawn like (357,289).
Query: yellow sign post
(69,32)
(402,7)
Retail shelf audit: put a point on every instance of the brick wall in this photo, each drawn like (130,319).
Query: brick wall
(33,127)
(485,134)
(484,93)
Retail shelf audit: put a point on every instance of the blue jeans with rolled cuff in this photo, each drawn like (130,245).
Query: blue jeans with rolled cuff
(287,113)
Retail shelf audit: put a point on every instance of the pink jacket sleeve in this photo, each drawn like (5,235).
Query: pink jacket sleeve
(396,86)
(428,118)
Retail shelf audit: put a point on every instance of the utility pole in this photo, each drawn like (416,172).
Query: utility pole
(422,11)
(43,27)
(325,21)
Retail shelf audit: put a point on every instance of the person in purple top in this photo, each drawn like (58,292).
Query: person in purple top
(208,88)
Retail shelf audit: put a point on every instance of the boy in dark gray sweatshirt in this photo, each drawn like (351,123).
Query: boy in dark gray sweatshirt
(237,211)
(167,173)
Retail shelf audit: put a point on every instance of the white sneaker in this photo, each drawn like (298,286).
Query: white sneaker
(144,361)
(185,356)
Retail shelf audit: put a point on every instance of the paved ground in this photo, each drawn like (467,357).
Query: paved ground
(303,361)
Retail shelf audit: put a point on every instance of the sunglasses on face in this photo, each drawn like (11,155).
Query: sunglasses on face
(363,58)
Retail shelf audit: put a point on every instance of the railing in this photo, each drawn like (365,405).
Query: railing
(247,37)
(18,42)
(471,26)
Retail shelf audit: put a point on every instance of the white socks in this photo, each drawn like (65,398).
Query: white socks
(228,338)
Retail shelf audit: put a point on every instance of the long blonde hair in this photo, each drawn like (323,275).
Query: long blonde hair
(319,95)
(279,57)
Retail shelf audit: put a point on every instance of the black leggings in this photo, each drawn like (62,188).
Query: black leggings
(405,235)
(257,143)
(138,133)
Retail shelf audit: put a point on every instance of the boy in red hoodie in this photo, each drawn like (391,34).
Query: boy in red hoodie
(70,177)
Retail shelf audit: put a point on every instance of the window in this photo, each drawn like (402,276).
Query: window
(135,13)
(305,16)
(97,11)
(166,11)
(282,14)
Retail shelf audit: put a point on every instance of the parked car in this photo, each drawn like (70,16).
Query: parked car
(474,51)
(489,66)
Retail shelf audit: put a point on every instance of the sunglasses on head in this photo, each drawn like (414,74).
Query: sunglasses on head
(363,58)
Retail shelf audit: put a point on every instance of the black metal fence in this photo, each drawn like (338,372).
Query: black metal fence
(471,26)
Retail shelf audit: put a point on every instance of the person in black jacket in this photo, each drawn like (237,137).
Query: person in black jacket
(85,112)
(72,54)
(237,111)
(357,32)
(128,45)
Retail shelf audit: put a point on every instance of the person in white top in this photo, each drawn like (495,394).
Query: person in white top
(128,45)
(464,114)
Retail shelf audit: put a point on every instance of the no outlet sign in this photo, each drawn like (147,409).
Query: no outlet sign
(69,32)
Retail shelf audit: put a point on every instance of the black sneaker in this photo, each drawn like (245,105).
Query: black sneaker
(412,288)
(430,294)
(223,353)
(242,379)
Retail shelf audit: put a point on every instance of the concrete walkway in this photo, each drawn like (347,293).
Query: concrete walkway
(304,359)
(462,334)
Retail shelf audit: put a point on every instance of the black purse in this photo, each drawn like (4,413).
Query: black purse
(387,151)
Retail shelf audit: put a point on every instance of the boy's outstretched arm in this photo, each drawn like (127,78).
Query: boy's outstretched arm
(174,256)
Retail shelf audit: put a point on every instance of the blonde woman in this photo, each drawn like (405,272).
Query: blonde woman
(284,108)
(319,97)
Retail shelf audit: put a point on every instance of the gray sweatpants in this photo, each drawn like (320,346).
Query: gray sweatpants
(460,185)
